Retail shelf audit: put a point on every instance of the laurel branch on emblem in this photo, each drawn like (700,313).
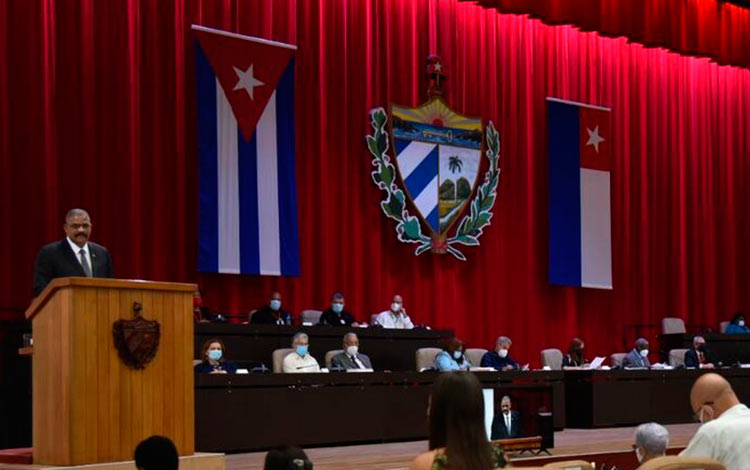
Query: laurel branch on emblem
(408,227)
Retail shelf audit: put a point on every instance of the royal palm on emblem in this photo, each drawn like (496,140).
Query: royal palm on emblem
(437,154)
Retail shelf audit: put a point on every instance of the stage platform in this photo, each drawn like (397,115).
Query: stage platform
(198,461)
(590,444)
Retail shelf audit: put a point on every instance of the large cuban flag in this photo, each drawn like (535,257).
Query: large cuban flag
(580,164)
(248,200)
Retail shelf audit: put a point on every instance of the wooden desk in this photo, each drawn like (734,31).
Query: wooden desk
(388,349)
(629,397)
(258,411)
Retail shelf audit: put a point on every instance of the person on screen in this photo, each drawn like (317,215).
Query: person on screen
(724,434)
(156,453)
(638,356)
(74,255)
(507,423)
(287,458)
(698,357)
(300,360)
(651,441)
(272,314)
(214,360)
(574,357)
(396,317)
(737,325)
(351,358)
(336,315)
(452,357)
(457,434)
(499,358)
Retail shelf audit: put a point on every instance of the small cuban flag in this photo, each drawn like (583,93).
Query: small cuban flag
(248,195)
(580,164)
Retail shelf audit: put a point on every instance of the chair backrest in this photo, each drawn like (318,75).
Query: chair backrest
(672,325)
(278,357)
(569,465)
(677,357)
(552,358)
(425,357)
(250,315)
(674,462)
(330,354)
(474,355)
(196,362)
(310,316)
(616,359)
(723,326)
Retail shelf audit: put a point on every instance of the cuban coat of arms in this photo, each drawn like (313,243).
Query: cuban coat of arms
(437,154)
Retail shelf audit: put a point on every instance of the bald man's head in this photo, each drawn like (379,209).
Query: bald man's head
(711,396)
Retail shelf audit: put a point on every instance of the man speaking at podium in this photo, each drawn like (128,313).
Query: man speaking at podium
(74,255)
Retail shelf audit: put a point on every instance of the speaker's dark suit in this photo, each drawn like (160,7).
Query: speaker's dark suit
(58,260)
(500,430)
(343,361)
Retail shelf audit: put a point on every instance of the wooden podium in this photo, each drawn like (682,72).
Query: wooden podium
(89,405)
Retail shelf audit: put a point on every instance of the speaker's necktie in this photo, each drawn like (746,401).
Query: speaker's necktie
(85,263)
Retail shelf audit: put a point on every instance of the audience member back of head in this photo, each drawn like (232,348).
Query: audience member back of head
(287,458)
(156,453)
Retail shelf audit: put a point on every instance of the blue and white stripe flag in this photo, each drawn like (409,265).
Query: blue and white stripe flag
(248,200)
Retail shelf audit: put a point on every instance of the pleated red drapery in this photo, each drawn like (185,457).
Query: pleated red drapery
(97,110)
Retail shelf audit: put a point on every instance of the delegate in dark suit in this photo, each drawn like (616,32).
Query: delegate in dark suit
(58,260)
(500,428)
(329,317)
(692,359)
(635,360)
(346,362)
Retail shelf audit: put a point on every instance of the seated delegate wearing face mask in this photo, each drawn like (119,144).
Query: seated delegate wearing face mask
(272,314)
(213,359)
(300,360)
(651,441)
(396,317)
(351,358)
(452,358)
(724,434)
(336,315)
(737,326)
(637,358)
(499,358)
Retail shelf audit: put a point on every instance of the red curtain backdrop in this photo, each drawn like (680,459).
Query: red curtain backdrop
(97,110)
(709,28)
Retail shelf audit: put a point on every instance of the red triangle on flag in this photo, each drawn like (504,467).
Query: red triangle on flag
(248,70)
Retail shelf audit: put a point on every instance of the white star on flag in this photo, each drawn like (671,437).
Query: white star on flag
(246,81)
(594,138)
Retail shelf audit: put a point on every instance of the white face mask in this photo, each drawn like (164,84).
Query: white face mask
(352,350)
(704,418)
(503,353)
(638,455)
(644,352)
(395,307)
(741,322)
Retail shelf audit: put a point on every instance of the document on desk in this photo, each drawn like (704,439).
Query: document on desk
(596,363)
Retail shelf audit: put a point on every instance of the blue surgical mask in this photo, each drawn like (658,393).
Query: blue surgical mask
(457,355)
(302,350)
(337,307)
(214,354)
(275,304)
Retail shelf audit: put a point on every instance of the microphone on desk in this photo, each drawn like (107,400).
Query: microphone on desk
(306,367)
